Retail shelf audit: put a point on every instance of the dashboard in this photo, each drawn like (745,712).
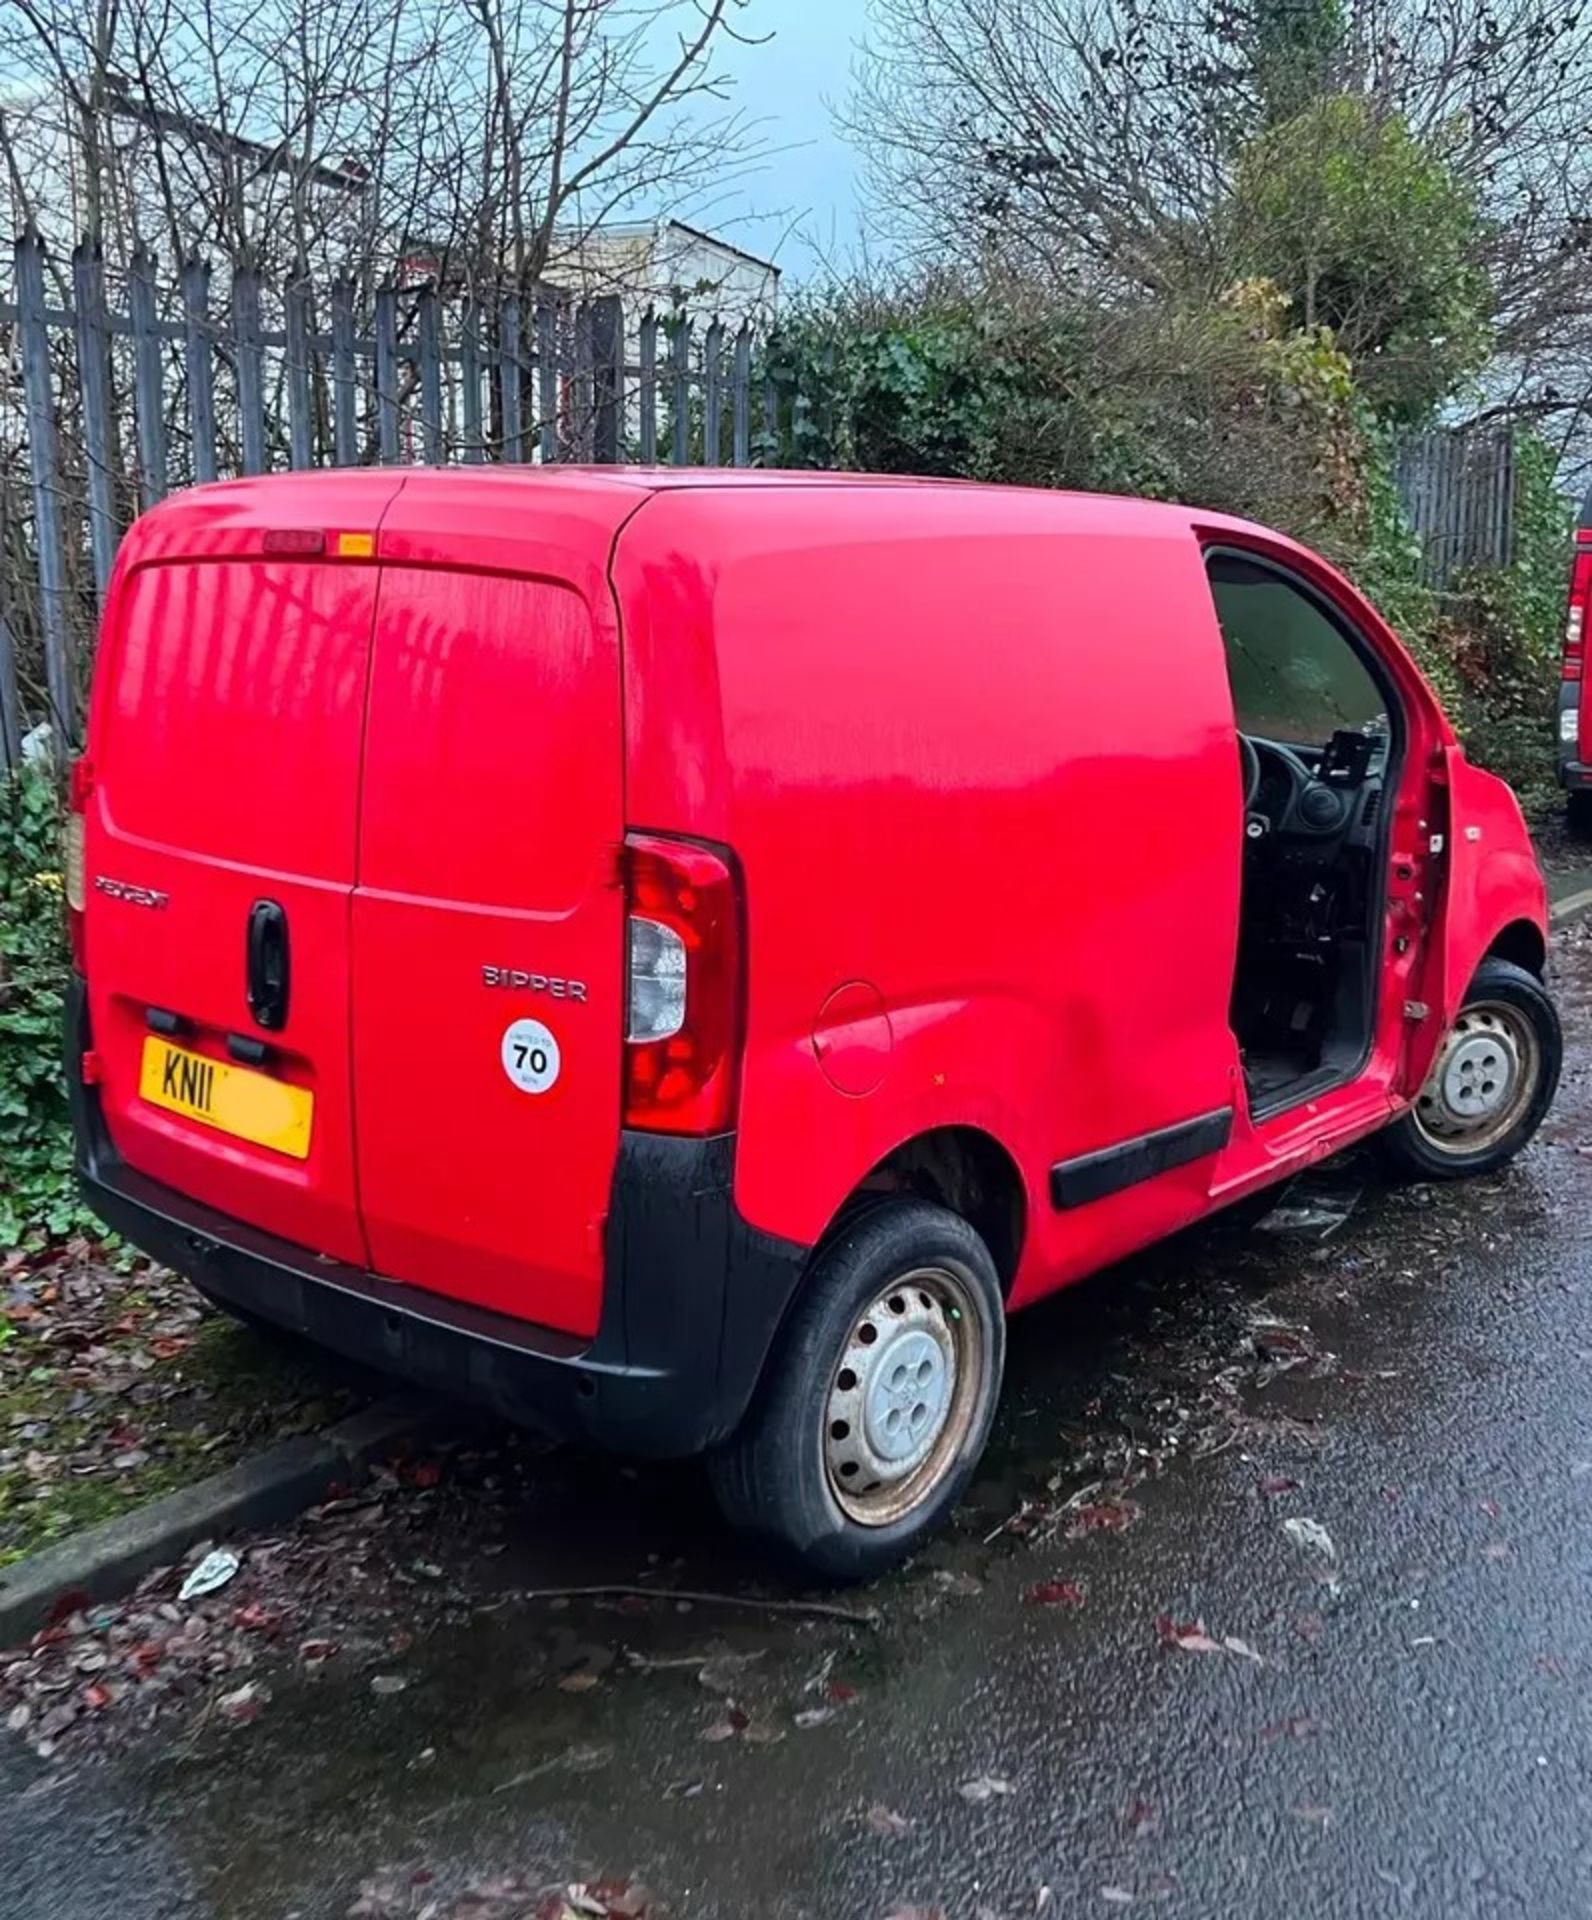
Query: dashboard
(1321,799)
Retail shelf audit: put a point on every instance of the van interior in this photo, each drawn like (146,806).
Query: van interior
(1319,739)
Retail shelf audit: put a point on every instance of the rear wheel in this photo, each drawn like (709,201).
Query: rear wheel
(1491,1084)
(879,1401)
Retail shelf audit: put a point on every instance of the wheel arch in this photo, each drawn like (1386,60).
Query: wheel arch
(962,1168)
(1522,943)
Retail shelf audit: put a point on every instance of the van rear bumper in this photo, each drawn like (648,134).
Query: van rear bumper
(693,1297)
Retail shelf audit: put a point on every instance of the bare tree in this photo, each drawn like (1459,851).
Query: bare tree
(486,134)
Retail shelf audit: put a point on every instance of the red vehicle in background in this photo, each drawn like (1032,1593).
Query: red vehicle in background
(680,957)
(1575,686)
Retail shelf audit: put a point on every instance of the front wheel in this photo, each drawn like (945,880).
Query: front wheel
(1491,1084)
(878,1402)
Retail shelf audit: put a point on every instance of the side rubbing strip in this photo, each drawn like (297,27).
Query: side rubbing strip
(1074,1183)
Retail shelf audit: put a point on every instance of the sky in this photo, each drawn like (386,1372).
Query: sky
(801,207)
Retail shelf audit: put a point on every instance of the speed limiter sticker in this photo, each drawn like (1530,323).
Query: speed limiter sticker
(530,1056)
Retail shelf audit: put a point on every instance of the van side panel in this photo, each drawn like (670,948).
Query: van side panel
(225,742)
(488,897)
(975,753)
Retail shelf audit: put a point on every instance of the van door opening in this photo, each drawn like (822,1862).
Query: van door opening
(1320,735)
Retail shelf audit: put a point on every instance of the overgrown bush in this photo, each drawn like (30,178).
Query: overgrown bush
(37,1195)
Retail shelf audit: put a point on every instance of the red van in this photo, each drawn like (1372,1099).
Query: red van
(679,957)
(1575,686)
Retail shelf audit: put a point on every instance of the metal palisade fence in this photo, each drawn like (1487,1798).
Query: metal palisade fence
(117,389)
(1457,487)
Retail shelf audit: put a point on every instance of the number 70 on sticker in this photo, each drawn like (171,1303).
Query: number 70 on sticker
(530,1056)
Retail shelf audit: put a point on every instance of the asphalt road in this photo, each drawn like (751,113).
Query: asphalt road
(1402,1728)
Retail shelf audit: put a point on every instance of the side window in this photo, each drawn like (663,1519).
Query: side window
(1294,675)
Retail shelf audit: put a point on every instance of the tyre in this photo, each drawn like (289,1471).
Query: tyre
(1578,814)
(878,1401)
(1491,1084)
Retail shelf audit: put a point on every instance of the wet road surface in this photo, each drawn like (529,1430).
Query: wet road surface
(1048,1715)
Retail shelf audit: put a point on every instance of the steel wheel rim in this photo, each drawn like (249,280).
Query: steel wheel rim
(903,1396)
(1482,1081)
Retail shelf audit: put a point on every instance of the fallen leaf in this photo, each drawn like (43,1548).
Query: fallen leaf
(729,1723)
(1139,1817)
(915,1913)
(1189,1637)
(887,1822)
(245,1703)
(986,1787)
(388,1683)
(814,1716)
(1279,1483)
(1311,1537)
(1297,1726)
(1054,1593)
(963,1585)
(1242,1648)
(1117,1896)
(581,1682)
(1104,1516)
(1317,1816)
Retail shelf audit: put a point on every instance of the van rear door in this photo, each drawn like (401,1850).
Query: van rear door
(488,920)
(220,841)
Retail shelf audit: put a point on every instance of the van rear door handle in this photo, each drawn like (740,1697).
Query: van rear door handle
(267,964)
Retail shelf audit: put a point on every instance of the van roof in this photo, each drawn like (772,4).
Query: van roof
(606,495)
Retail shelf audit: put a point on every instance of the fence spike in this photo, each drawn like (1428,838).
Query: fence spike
(680,391)
(300,369)
(149,405)
(547,377)
(345,432)
(608,379)
(470,380)
(713,396)
(251,375)
(39,407)
(201,388)
(428,347)
(511,373)
(99,433)
(387,374)
(741,398)
(649,388)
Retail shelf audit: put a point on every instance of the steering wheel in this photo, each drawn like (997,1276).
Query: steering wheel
(1251,763)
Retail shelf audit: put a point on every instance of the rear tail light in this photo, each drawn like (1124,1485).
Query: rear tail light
(682,987)
(74,869)
(1573,666)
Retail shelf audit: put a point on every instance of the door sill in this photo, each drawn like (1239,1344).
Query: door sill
(1295,1093)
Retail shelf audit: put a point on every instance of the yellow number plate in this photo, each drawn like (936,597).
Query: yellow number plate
(250,1106)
